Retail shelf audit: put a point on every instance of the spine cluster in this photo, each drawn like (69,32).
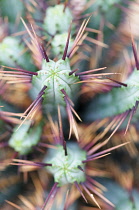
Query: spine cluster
(60,108)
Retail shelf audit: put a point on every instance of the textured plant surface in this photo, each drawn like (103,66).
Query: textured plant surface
(69,94)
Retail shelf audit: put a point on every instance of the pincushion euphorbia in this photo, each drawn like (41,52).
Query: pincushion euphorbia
(55,76)
(54,84)
(58,44)
(25,138)
(69,163)
(13,53)
(65,168)
(57,19)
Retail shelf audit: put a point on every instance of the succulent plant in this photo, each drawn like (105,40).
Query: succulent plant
(42,89)
(58,44)
(120,99)
(65,169)
(57,20)
(24,138)
(14,55)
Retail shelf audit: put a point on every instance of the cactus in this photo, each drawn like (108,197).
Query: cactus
(58,44)
(13,51)
(65,169)
(117,101)
(56,15)
(23,140)
(48,85)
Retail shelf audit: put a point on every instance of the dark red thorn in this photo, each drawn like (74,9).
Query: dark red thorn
(35,105)
(111,84)
(65,5)
(120,83)
(79,189)
(22,70)
(43,52)
(43,90)
(72,72)
(108,84)
(65,147)
(67,44)
(43,164)
(81,168)
(51,195)
(66,96)
(131,115)
(92,157)
(41,93)
(135,53)
(64,92)
(130,118)
(38,97)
